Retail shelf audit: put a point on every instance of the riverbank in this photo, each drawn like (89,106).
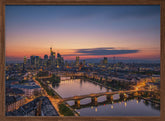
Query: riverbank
(55,98)
(52,99)
(108,87)
(148,99)
(64,106)
(117,89)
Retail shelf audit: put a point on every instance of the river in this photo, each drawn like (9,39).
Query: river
(130,107)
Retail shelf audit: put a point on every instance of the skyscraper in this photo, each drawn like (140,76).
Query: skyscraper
(50,50)
(77,60)
(60,60)
(25,59)
(83,62)
(105,61)
(32,59)
(45,61)
(45,57)
(52,56)
(36,61)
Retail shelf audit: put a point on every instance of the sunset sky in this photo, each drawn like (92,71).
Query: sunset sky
(127,32)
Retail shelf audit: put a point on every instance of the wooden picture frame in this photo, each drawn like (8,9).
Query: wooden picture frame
(80,2)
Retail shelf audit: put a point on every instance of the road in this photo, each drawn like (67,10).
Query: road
(53,100)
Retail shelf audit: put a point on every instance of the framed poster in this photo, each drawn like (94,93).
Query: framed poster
(81,60)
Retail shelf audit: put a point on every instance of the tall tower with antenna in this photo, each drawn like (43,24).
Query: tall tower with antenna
(50,50)
(52,56)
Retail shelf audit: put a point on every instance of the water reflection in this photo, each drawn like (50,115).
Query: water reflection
(125,104)
(87,103)
(104,107)
(146,102)
(55,85)
(95,109)
(75,87)
(125,108)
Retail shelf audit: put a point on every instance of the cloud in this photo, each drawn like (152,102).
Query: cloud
(105,51)
(102,51)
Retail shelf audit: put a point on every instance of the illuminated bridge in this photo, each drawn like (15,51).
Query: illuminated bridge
(109,96)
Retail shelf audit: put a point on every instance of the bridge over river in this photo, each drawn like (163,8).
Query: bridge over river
(105,102)
(109,96)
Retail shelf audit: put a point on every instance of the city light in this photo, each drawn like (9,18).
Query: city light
(82,60)
(111,106)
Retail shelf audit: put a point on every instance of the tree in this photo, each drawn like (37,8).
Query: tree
(55,79)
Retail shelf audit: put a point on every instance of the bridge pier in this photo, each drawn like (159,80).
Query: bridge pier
(141,93)
(109,97)
(134,94)
(77,103)
(94,100)
(151,94)
(122,96)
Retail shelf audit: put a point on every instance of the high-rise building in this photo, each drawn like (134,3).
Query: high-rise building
(58,55)
(32,59)
(83,62)
(28,61)
(50,50)
(77,60)
(45,57)
(36,61)
(52,56)
(25,59)
(41,61)
(45,61)
(60,60)
(105,61)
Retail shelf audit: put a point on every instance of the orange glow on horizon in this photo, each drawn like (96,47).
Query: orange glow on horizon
(64,53)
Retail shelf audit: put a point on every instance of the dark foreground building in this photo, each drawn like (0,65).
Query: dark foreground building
(40,106)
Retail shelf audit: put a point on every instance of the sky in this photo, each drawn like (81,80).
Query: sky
(91,32)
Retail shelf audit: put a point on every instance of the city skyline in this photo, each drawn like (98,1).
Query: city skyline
(131,32)
(82,60)
(95,59)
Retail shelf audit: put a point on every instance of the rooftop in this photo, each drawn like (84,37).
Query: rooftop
(29,109)
(12,99)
